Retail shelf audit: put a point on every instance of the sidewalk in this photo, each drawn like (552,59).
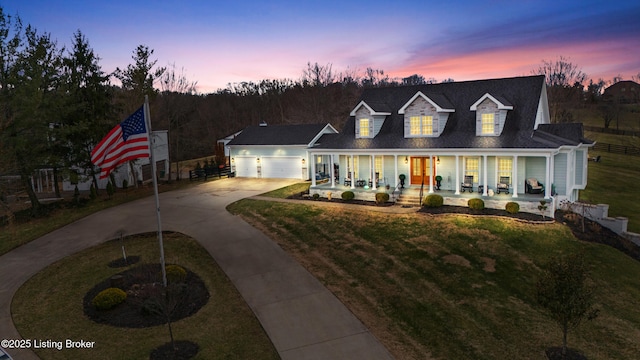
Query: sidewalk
(301,317)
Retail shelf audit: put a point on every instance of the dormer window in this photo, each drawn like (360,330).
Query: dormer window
(421,125)
(488,124)
(368,120)
(364,128)
(425,116)
(491,113)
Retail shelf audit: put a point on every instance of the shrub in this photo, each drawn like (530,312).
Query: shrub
(110,189)
(475,204)
(512,207)
(382,198)
(315,196)
(348,195)
(125,184)
(93,193)
(175,274)
(433,200)
(109,298)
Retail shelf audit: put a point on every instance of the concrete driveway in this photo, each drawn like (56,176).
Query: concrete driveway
(301,317)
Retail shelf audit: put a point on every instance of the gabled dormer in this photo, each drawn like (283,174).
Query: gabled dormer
(425,115)
(491,113)
(368,121)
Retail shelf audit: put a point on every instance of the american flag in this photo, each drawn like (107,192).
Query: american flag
(129,140)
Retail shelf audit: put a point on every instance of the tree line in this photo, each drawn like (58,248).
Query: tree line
(56,103)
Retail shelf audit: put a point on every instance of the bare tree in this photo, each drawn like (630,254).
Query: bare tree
(565,85)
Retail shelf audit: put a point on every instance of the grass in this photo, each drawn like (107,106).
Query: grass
(49,306)
(452,287)
(611,181)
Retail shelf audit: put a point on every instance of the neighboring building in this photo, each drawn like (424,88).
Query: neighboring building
(142,167)
(484,131)
(276,151)
(626,92)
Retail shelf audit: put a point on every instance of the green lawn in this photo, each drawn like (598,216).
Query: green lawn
(49,306)
(453,287)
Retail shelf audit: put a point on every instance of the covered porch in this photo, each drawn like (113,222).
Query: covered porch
(485,174)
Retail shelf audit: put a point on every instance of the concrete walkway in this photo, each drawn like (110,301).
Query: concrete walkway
(301,317)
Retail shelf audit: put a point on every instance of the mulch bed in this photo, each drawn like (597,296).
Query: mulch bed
(143,285)
(555,353)
(184,350)
(451,209)
(118,263)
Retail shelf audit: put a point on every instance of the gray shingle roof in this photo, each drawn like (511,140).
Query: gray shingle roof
(523,93)
(278,135)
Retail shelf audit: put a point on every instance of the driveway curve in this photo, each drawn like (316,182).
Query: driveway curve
(302,318)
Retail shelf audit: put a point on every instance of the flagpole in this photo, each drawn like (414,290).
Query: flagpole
(147,118)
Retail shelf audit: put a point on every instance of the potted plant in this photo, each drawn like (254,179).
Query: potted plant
(402,177)
(438,182)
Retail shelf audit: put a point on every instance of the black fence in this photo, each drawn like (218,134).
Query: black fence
(617,149)
(612,131)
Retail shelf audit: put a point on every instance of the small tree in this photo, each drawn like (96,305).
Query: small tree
(563,291)
(110,189)
(543,208)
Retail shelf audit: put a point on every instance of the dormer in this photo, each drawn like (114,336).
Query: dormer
(368,121)
(491,112)
(425,115)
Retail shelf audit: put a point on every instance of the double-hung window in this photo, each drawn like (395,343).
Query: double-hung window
(364,128)
(421,125)
(472,168)
(488,124)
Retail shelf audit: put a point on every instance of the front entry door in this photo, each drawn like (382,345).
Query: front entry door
(420,170)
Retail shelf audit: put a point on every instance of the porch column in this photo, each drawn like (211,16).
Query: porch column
(313,170)
(395,161)
(431,170)
(332,171)
(351,175)
(547,188)
(484,175)
(372,161)
(514,177)
(457,175)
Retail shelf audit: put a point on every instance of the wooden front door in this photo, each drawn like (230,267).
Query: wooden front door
(420,170)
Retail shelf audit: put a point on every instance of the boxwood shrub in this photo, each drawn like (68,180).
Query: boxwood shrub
(433,200)
(109,298)
(348,195)
(512,207)
(175,274)
(476,204)
(382,198)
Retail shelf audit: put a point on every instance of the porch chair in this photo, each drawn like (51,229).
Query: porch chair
(467,184)
(503,185)
(533,186)
(347,182)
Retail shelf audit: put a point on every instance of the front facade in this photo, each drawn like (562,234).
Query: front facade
(492,137)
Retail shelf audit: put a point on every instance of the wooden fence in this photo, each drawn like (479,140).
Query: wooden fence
(617,149)
(612,131)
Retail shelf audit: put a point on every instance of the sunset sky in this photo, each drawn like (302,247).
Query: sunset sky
(221,42)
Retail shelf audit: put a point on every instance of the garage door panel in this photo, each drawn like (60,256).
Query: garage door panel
(246,167)
(286,168)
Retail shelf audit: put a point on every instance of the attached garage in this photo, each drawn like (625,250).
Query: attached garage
(246,166)
(281,167)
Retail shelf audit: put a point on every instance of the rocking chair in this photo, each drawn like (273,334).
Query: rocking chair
(467,184)
(503,185)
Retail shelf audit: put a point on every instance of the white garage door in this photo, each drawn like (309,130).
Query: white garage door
(281,167)
(246,166)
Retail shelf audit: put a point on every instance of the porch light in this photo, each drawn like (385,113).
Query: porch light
(438,160)
(233,160)
(303,161)
(406,160)
(258,160)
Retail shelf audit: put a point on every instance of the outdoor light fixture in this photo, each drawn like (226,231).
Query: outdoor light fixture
(303,161)
(258,160)
(406,160)
(233,160)
(438,160)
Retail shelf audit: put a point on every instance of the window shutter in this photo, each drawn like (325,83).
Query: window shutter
(371,127)
(357,128)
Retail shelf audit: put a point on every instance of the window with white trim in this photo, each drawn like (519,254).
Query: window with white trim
(364,128)
(421,125)
(505,166)
(488,124)
(377,165)
(472,168)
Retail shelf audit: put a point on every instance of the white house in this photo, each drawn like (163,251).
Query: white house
(483,136)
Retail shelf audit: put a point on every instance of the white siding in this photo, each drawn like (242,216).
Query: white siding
(560,174)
